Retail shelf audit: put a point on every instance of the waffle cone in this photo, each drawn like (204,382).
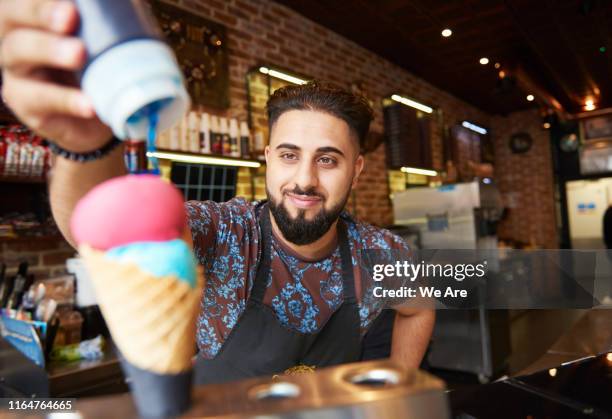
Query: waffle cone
(152,319)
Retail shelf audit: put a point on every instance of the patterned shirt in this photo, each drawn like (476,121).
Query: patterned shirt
(303,294)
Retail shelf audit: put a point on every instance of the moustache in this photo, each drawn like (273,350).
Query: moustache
(305,192)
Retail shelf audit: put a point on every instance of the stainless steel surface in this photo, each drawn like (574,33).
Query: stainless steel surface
(453,204)
(377,389)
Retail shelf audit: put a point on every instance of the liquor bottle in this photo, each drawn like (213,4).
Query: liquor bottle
(175,137)
(245,140)
(260,145)
(163,139)
(205,133)
(215,136)
(226,149)
(184,144)
(234,134)
(194,132)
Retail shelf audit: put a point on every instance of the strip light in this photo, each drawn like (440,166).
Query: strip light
(412,103)
(474,127)
(281,75)
(188,158)
(416,171)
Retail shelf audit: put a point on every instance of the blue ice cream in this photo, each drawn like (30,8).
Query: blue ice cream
(167,258)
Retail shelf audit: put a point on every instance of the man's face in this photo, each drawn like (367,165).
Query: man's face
(313,162)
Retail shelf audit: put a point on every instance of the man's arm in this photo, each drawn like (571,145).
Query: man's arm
(70,181)
(411,333)
(37,36)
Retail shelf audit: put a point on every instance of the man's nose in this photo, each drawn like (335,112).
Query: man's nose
(306,176)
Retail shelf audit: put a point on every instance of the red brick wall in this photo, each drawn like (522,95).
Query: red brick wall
(46,257)
(266,32)
(525,181)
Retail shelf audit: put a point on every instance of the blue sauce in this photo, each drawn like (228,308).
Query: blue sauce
(160,259)
(151,113)
(151,136)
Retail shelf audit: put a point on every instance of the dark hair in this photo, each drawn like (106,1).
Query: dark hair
(325,97)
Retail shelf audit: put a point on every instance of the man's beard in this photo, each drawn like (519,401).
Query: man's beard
(299,230)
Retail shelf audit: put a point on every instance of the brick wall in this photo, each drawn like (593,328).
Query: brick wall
(266,32)
(46,257)
(525,181)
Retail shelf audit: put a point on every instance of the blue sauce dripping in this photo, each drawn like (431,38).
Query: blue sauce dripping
(151,113)
(152,135)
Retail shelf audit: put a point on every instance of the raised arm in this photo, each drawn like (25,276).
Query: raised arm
(39,58)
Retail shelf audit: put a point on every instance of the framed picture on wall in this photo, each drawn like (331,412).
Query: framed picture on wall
(200,46)
(598,128)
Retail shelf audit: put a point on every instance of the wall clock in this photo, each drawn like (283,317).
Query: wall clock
(520,142)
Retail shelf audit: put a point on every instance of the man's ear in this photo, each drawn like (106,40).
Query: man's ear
(267,152)
(359,164)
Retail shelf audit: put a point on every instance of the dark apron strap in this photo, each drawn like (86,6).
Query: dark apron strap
(263,268)
(348,280)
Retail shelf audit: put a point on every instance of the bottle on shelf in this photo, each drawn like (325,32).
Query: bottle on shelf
(11,164)
(163,139)
(194,132)
(184,144)
(175,137)
(38,160)
(245,140)
(215,136)
(18,287)
(205,133)
(2,155)
(260,145)
(226,148)
(135,156)
(234,134)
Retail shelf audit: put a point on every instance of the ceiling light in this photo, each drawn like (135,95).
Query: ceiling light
(416,171)
(546,125)
(497,65)
(190,158)
(280,75)
(484,61)
(474,127)
(412,103)
(446,33)
(589,105)
(530,98)
(502,74)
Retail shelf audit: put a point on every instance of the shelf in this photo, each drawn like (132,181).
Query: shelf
(23,179)
(24,239)
(214,159)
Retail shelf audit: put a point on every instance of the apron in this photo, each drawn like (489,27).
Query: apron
(259,345)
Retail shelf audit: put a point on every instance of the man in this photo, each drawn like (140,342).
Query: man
(281,287)
(607,227)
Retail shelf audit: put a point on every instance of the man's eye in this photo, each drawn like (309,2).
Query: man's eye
(327,161)
(288,156)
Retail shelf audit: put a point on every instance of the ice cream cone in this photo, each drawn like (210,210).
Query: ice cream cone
(152,319)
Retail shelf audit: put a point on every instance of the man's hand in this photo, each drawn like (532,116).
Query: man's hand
(411,333)
(39,58)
